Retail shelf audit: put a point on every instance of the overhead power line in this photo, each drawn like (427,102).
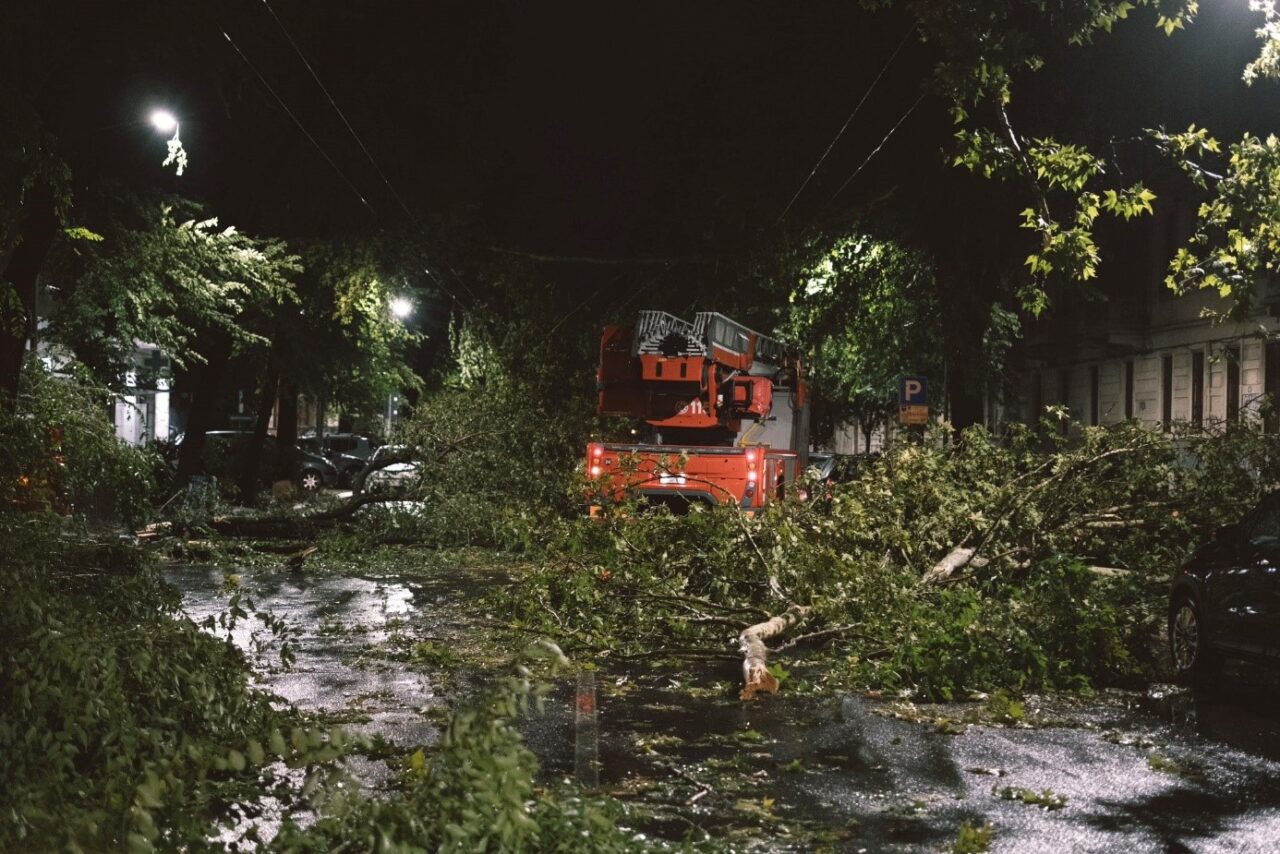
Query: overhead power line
(364,148)
(298,122)
(876,150)
(845,126)
(292,115)
(316,77)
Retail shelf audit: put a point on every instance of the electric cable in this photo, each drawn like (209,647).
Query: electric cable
(846,124)
(876,150)
(364,148)
(338,110)
(301,127)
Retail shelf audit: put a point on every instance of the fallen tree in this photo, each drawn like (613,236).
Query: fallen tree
(974,565)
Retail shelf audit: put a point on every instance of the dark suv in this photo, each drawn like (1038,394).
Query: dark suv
(1226,599)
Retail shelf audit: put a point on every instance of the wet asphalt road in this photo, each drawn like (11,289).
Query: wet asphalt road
(1165,771)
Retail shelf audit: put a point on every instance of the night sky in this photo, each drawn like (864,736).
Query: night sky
(613,130)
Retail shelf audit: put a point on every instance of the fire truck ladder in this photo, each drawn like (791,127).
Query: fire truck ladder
(661,334)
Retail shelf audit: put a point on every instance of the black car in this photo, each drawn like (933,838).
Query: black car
(224,452)
(343,450)
(838,468)
(1225,600)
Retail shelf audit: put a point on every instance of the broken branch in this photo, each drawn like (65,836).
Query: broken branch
(755,662)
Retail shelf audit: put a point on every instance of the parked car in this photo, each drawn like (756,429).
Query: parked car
(347,451)
(224,452)
(827,469)
(837,468)
(1225,600)
(392,478)
(389,466)
(349,444)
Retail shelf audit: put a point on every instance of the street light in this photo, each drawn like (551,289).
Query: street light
(164,121)
(401,307)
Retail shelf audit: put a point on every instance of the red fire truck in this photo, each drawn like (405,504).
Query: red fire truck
(723,409)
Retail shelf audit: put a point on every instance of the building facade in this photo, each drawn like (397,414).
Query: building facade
(1140,351)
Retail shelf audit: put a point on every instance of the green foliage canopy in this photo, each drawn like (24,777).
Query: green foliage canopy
(865,314)
(985,47)
(167,280)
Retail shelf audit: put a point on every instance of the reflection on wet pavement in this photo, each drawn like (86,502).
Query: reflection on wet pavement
(352,643)
(1166,771)
(794,770)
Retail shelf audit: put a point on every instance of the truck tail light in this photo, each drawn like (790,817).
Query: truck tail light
(752,475)
(595,471)
(751,455)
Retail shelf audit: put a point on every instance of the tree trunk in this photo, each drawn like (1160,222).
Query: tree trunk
(23,272)
(253,454)
(206,384)
(286,423)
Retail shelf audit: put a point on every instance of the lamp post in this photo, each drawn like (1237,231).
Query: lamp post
(401,309)
(165,121)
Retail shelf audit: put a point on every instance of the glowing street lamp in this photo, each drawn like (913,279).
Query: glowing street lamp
(164,121)
(401,307)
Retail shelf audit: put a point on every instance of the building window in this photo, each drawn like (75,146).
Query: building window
(1128,389)
(1233,384)
(1166,392)
(1197,388)
(1093,395)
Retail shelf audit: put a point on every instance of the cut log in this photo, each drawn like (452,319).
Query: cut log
(755,655)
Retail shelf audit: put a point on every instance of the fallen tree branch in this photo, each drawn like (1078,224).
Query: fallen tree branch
(964,555)
(956,560)
(1110,571)
(842,631)
(284,526)
(688,601)
(755,655)
(674,652)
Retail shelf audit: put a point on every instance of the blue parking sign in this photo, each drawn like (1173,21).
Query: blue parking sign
(912,391)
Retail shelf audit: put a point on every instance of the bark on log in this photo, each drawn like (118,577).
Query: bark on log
(293,527)
(755,655)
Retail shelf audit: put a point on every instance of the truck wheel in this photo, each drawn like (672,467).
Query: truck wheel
(310,481)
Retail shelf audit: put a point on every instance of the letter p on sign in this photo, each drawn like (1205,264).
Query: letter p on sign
(911,391)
